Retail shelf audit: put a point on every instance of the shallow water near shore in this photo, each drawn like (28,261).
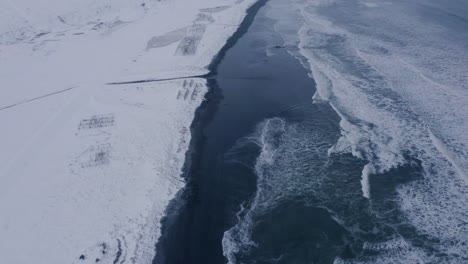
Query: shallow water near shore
(266,182)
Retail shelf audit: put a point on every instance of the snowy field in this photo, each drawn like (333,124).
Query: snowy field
(87,167)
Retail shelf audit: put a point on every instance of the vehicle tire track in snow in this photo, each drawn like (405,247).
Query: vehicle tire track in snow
(204,76)
(36,98)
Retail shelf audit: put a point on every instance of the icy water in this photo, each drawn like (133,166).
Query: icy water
(275,176)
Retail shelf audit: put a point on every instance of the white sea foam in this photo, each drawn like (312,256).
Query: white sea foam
(237,239)
(280,171)
(397,83)
(366,171)
(390,252)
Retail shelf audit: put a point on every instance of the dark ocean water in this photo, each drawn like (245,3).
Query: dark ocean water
(271,178)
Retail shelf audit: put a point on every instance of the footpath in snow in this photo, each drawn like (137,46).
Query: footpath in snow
(87,166)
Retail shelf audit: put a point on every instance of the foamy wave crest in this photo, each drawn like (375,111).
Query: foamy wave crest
(280,171)
(237,239)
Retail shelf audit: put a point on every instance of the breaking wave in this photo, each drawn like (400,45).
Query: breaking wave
(281,176)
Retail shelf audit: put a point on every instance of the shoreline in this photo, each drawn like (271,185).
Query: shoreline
(203,115)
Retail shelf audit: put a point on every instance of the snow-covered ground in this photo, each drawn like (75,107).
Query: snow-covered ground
(88,167)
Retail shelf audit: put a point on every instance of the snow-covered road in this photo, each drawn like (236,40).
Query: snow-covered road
(87,168)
